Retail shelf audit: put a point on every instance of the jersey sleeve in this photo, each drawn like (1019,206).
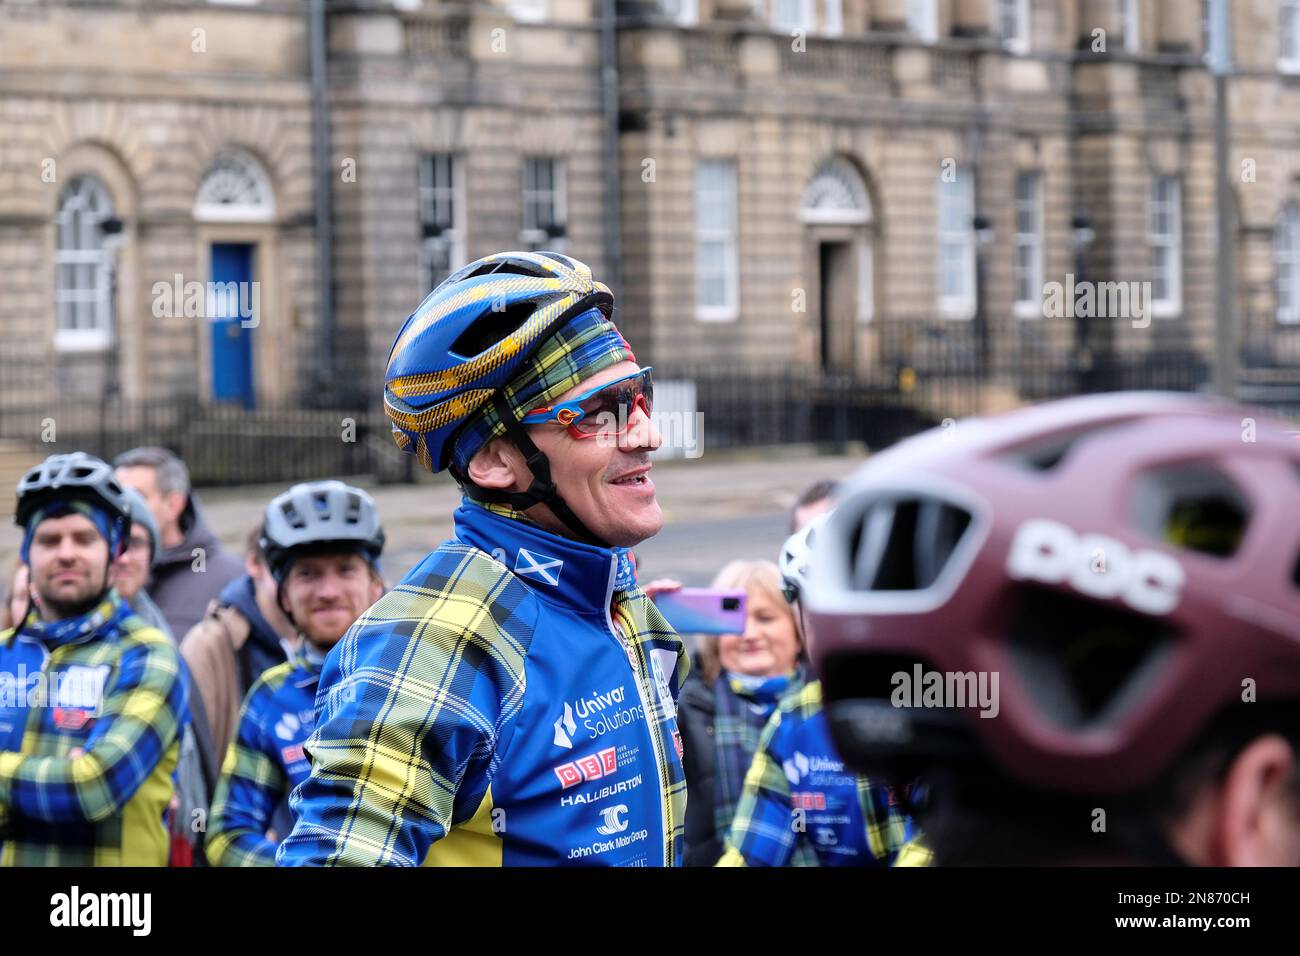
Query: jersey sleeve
(765,829)
(889,829)
(142,714)
(414,705)
(251,786)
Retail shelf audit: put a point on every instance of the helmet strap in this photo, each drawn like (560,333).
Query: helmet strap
(542,490)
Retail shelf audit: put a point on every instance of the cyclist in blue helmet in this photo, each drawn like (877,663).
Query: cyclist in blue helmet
(512,700)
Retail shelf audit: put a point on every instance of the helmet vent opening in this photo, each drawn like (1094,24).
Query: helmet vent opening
(1194,507)
(1046,455)
(868,676)
(501,267)
(292,516)
(494,327)
(1084,662)
(904,545)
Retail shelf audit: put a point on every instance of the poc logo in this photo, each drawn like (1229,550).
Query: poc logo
(1095,565)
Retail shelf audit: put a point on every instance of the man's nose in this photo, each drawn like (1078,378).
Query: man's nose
(328,586)
(641,431)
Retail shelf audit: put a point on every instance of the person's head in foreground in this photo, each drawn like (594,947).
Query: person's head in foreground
(322,541)
(512,376)
(1111,587)
(76,519)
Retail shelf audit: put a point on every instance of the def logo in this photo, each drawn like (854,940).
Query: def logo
(1096,565)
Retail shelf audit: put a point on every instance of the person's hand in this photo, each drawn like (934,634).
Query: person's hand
(661,586)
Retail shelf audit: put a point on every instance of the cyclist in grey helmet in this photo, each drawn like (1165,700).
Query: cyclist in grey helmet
(322,542)
(93,701)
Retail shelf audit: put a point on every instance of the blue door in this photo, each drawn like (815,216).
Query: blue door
(231,322)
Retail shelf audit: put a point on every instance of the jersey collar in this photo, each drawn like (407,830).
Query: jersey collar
(561,570)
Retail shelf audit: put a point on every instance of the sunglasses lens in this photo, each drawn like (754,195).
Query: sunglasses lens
(610,410)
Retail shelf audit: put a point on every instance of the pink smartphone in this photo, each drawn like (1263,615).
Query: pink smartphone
(703,610)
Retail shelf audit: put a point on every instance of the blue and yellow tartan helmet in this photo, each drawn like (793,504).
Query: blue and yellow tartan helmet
(471,335)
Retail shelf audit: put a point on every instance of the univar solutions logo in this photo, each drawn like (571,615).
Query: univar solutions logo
(593,706)
(287,726)
(77,909)
(565,728)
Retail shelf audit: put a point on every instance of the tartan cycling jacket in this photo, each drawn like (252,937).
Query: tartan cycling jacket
(264,763)
(115,692)
(511,702)
(798,791)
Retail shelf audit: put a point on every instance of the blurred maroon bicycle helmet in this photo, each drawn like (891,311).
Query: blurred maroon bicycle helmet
(1125,563)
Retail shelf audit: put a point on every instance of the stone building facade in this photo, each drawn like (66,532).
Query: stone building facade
(798,180)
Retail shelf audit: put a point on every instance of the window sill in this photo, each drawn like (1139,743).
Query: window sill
(79,343)
(717,315)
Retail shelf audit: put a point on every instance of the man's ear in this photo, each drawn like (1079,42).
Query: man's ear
(497,464)
(175,502)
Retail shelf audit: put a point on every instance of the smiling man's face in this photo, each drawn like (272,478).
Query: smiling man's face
(605,480)
(326,593)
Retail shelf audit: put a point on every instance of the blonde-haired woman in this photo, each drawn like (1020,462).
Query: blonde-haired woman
(726,702)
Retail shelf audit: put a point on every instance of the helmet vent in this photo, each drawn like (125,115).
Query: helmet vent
(1046,455)
(904,545)
(353,513)
(1083,662)
(1194,507)
(292,516)
(494,327)
(509,267)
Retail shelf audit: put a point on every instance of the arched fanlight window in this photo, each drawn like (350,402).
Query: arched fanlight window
(235,189)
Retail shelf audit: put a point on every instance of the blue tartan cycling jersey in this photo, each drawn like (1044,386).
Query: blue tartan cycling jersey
(799,792)
(511,702)
(265,762)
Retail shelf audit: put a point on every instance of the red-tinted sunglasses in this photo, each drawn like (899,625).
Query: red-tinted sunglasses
(605,410)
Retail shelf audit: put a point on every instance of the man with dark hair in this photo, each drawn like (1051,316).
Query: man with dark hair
(190,568)
(816,499)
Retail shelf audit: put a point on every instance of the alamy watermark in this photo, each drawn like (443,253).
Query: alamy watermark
(1098,300)
(208,300)
(679,431)
(946,689)
(76,687)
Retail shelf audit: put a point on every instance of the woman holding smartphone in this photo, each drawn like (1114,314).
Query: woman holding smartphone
(735,685)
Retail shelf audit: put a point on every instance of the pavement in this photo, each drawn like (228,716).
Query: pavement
(716,508)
